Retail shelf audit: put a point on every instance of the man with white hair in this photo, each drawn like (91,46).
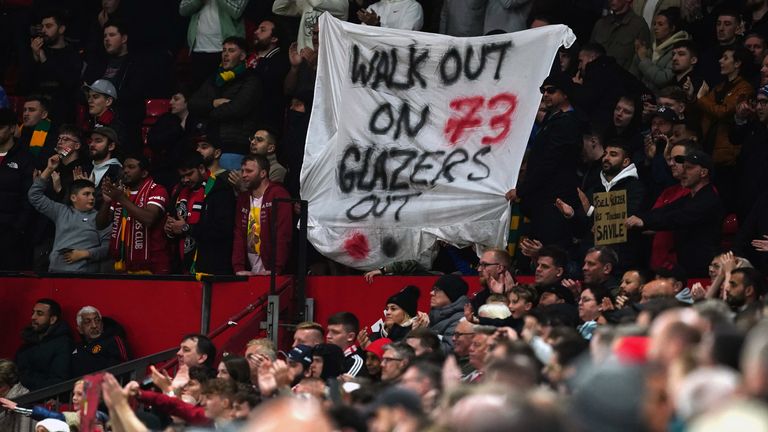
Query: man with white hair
(100,346)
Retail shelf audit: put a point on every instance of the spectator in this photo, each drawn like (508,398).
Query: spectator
(102,96)
(478,351)
(270,63)
(37,133)
(210,150)
(44,357)
(462,339)
(210,24)
(102,343)
(103,146)
(11,388)
(78,244)
(219,394)
(600,263)
(135,78)
(718,107)
(663,245)
(447,300)
(327,361)
(509,16)
(400,314)
(203,219)
(552,165)
(618,31)
(395,360)
(309,14)
(308,333)
(551,262)
(16,165)
(649,9)
(590,309)
(299,359)
(752,238)
(745,290)
(255,251)
(676,277)
(757,46)
(627,124)
(685,57)
(424,379)
(749,132)
(196,350)
(618,173)
(342,332)
(695,219)
(495,277)
(653,66)
(134,213)
(235,368)
(69,145)
(64,420)
(462,18)
(56,66)
(727,31)
(170,137)
(757,19)
(373,357)
(228,102)
(425,343)
(396,14)
(264,142)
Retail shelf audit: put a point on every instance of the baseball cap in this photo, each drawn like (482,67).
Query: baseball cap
(667,114)
(560,291)
(104,87)
(698,157)
(106,131)
(301,354)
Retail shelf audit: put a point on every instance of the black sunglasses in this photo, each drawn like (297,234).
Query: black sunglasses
(548,90)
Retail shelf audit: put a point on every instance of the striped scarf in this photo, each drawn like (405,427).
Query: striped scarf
(39,136)
(224,76)
(124,231)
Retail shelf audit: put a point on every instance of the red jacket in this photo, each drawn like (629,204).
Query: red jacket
(284,230)
(192,414)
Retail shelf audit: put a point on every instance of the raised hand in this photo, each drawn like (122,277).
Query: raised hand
(363,339)
(564,209)
(761,245)
(293,55)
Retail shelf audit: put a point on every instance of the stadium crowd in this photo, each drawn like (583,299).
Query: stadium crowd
(154,138)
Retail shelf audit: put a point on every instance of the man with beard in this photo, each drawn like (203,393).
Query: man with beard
(102,148)
(44,358)
(745,289)
(56,66)
(495,277)
(229,102)
(210,150)
(255,251)
(271,65)
(102,345)
(203,220)
(618,173)
(136,208)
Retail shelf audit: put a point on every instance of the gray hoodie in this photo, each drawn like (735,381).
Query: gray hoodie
(74,230)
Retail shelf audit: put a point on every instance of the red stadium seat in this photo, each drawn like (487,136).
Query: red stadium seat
(730,228)
(156,108)
(17,105)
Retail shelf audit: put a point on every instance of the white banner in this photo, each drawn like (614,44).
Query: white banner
(416,137)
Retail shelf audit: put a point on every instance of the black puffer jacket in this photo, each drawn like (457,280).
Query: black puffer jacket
(15,180)
(45,360)
(233,121)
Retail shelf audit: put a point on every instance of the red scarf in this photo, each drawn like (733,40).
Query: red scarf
(129,244)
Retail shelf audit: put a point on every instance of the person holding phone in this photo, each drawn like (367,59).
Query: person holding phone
(78,245)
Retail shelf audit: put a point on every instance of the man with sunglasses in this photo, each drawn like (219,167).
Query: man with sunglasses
(695,219)
(552,164)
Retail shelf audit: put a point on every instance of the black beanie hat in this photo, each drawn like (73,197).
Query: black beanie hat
(407,299)
(453,286)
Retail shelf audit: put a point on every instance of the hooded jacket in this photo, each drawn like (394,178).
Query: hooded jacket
(105,351)
(656,71)
(44,359)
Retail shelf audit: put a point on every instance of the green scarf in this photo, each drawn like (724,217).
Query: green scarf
(224,76)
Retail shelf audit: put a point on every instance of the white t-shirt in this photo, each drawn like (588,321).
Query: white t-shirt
(399,14)
(253,234)
(208,29)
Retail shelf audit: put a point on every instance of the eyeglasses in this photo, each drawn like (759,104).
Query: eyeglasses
(485,264)
(390,359)
(66,138)
(548,90)
(586,300)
